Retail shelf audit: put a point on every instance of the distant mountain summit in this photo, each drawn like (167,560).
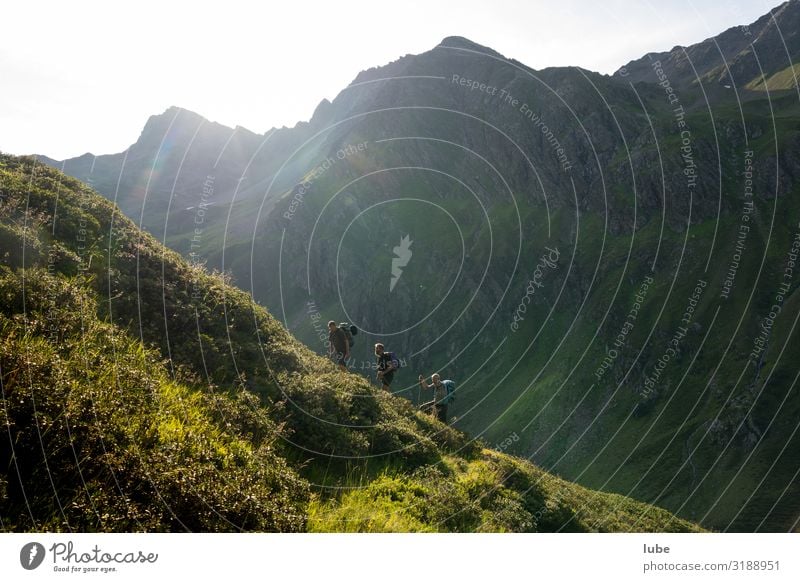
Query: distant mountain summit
(459,42)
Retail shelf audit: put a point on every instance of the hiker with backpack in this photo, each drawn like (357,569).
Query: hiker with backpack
(339,345)
(442,395)
(388,364)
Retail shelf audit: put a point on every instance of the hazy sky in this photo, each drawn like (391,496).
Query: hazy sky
(85,76)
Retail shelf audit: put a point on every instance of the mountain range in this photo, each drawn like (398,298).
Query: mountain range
(603,264)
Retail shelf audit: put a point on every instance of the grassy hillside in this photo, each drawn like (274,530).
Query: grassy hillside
(141,393)
(782,80)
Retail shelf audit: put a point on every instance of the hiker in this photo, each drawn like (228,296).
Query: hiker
(339,346)
(387,366)
(442,395)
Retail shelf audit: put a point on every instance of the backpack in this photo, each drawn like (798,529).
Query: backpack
(395,360)
(451,391)
(349,332)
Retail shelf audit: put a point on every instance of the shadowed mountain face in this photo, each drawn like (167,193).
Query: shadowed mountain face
(595,260)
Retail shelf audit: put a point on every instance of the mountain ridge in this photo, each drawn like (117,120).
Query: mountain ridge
(723,54)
